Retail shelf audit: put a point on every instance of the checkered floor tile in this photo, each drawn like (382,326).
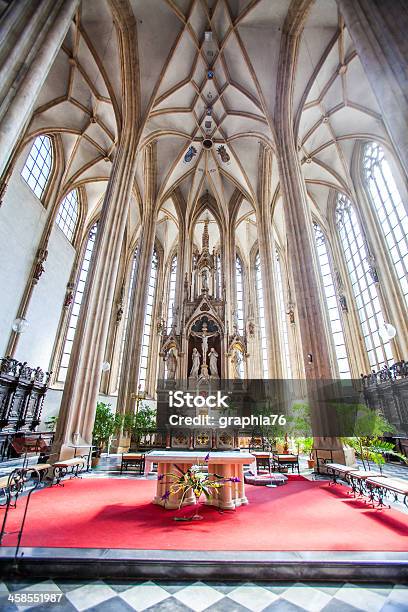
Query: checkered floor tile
(171,596)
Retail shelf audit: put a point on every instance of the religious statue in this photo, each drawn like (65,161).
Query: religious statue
(373,268)
(213,363)
(196,363)
(171,359)
(236,362)
(343,302)
(39,268)
(204,335)
(204,277)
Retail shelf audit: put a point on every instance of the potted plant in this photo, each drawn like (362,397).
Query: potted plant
(194,479)
(51,423)
(106,424)
(308,449)
(142,423)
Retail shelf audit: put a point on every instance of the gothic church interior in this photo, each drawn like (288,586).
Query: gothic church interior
(199,190)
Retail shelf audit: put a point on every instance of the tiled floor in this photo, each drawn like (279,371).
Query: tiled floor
(171,596)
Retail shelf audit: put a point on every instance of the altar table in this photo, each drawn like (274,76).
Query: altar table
(228,464)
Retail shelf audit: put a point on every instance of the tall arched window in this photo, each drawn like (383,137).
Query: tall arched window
(333,310)
(390,210)
(239,280)
(67,216)
(282,316)
(148,322)
(362,282)
(126,317)
(172,293)
(37,168)
(261,314)
(76,306)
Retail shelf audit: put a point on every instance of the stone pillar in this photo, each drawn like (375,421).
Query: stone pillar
(77,412)
(302,258)
(267,258)
(32,37)
(231,296)
(128,385)
(379,32)
(299,230)
(183,261)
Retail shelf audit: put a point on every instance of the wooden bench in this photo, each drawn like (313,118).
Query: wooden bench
(357,479)
(379,487)
(133,459)
(262,460)
(338,470)
(285,461)
(42,468)
(69,467)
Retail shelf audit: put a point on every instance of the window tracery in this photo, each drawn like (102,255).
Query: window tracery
(68,213)
(148,322)
(363,282)
(76,306)
(37,168)
(332,305)
(389,208)
(239,280)
(172,293)
(261,314)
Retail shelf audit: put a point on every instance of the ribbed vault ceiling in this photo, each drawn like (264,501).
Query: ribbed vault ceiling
(180,106)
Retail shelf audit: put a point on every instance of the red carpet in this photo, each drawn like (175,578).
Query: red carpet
(112,513)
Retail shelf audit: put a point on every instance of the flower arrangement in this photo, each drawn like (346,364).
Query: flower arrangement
(197,480)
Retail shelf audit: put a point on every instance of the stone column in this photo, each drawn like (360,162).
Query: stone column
(379,32)
(302,258)
(128,386)
(77,412)
(32,37)
(267,258)
(183,261)
(299,229)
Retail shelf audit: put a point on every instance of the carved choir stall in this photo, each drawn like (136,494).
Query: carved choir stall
(387,391)
(22,393)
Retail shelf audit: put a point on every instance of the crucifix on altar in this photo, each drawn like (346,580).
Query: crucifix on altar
(204,358)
